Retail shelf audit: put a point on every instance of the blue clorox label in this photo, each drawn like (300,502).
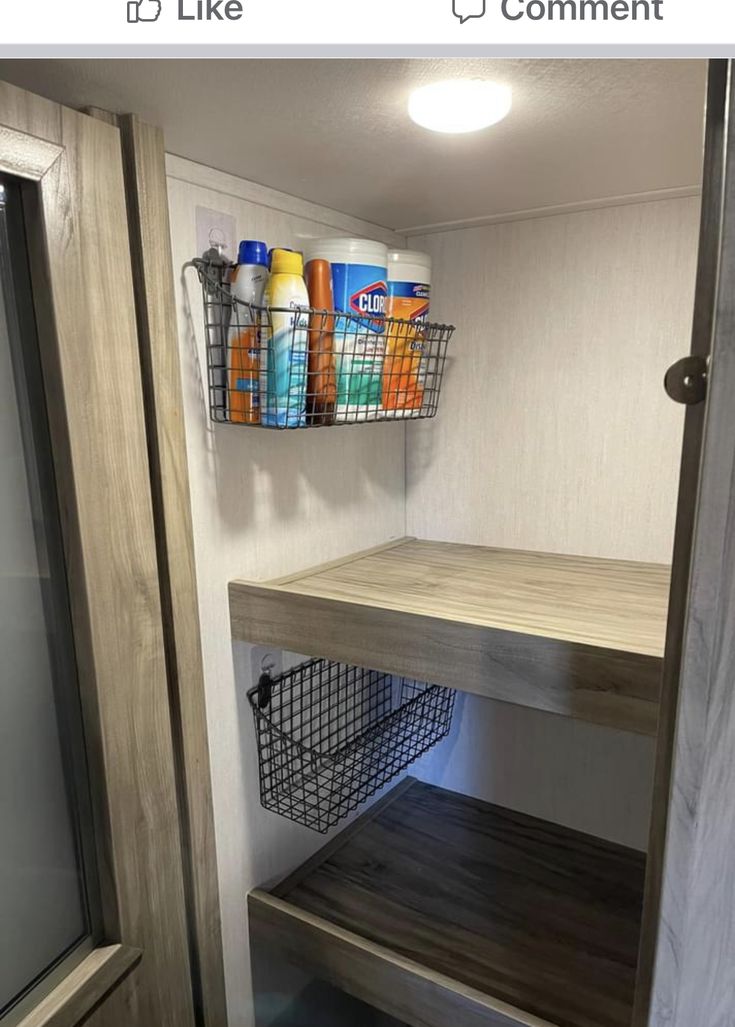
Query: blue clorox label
(370,301)
(361,289)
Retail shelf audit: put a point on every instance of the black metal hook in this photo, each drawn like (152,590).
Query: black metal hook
(265,689)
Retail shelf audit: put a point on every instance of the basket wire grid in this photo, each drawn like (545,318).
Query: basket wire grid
(285,368)
(330,736)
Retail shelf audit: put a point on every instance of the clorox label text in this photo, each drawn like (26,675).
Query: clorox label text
(370,301)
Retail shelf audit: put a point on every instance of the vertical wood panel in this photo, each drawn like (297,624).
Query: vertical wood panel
(709,252)
(145,176)
(692,875)
(84,301)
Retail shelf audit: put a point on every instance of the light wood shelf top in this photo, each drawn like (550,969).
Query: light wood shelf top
(614,604)
(438,908)
(573,635)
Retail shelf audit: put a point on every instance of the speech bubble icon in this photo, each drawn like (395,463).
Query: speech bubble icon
(466,9)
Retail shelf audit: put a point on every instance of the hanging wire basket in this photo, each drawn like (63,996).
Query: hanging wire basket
(331,735)
(285,368)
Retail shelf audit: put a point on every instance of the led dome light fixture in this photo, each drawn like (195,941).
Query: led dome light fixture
(460,105)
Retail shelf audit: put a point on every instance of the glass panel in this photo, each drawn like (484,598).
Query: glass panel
(44,904)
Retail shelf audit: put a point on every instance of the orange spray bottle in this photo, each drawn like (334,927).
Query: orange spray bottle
(243,354)
(321,389)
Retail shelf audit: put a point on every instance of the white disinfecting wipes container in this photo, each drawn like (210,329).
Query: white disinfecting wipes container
(359,281)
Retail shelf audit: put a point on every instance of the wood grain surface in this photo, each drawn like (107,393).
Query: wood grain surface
(571,635)
(612,604)
(688,950)
(400,987)
(144,160)
(84,988)
(539,920)
(710,242)
(83,293)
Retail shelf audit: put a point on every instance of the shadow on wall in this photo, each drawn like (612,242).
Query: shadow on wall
(589,778)
(423,439)
(283,472)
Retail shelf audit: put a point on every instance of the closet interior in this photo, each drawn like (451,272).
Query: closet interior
(433,630)
(448,635)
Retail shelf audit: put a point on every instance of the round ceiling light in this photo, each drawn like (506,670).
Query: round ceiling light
(460,105)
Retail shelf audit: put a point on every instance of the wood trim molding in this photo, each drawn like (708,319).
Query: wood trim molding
(535,213)
(688,944)
(703,322)
(27,158)
(102,115)
(84,988)
(392,983)
(144,161)
(83,293)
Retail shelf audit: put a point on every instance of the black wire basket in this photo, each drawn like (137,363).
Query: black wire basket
(278,368)
(331,735)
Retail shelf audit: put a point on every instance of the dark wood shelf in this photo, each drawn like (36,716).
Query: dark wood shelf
(571,635)
(440,909)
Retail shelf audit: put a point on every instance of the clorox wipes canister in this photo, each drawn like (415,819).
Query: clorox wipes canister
(359,281)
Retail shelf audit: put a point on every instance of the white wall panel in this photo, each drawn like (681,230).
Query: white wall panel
(555,433)
(263,503)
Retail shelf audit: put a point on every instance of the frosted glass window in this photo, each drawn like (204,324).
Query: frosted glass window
(44,897)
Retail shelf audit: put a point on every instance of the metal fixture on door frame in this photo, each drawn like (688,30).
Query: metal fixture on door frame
(686,380)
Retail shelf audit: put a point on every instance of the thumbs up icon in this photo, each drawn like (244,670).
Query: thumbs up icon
(144,10)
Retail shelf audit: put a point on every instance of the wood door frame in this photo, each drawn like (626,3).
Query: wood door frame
(70,168)
(144,164)
(688,942)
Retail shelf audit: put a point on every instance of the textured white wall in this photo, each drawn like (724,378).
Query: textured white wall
(555,434)
(263,504)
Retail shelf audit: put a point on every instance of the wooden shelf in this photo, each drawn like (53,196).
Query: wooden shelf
(571,635)
(440,909)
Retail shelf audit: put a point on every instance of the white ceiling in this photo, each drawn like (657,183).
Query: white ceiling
(336,131)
